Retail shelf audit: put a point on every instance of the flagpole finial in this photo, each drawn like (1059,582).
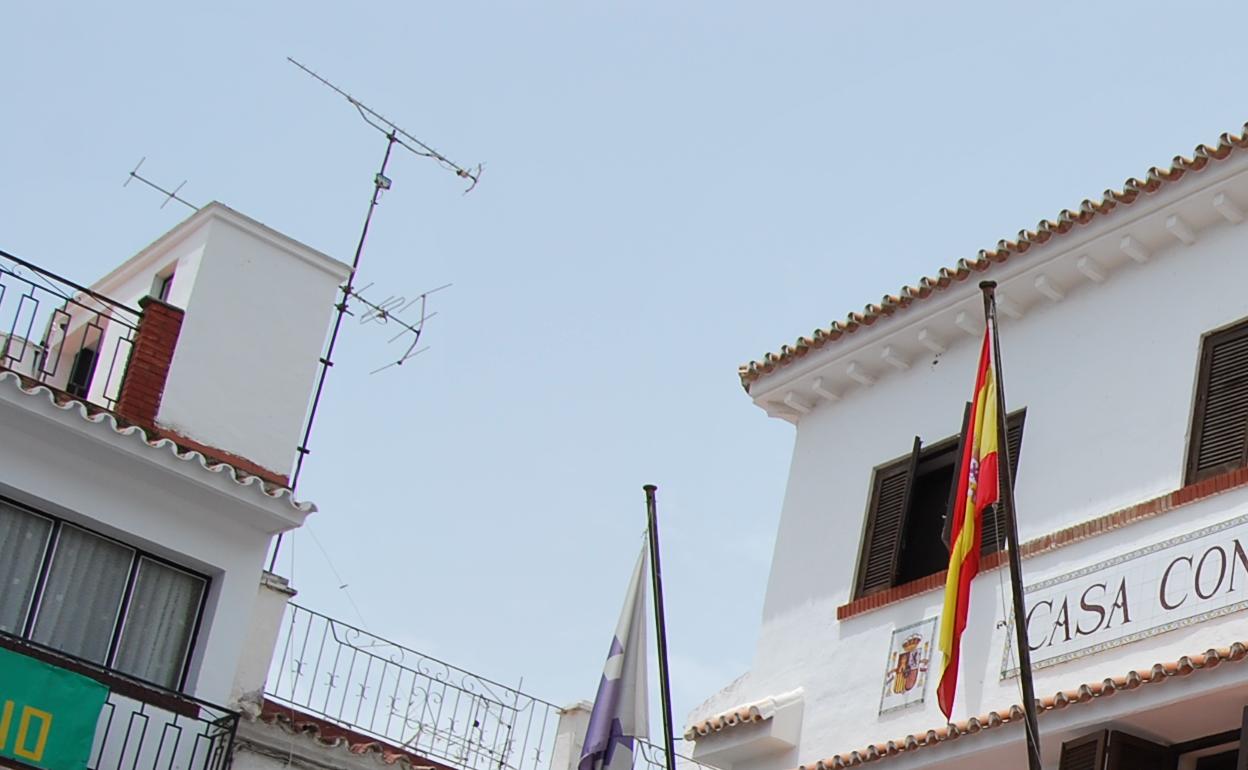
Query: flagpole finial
(649,487)
(987,286)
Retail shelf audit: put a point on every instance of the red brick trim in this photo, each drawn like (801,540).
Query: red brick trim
(1147,509)
(150,356)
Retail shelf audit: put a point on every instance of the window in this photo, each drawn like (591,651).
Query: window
(162,285)
(1114,750)
(906,534)
(96,599)
(1220,416)
(81,373)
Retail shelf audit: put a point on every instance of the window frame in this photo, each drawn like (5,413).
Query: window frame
(137,555)
(1016,419)
(1200,401)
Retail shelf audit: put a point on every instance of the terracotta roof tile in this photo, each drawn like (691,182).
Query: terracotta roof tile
(1084,693)
(1066,221)
(748,713)
(99,416)
(335,737)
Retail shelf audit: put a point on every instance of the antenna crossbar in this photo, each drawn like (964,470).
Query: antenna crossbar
(170,195)
(394,131)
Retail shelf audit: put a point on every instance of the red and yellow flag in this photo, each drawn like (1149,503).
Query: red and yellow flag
(978,488)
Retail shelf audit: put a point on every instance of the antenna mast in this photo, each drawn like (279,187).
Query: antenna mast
(395,136)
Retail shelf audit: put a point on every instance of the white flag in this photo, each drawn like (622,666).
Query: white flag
(621,710)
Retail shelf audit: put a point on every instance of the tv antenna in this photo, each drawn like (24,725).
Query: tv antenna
(395,136)
(387,312)
(170,195)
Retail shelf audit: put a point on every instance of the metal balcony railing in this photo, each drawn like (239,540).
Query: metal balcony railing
(379,688)
(144,727)
(383,690)
(58,333)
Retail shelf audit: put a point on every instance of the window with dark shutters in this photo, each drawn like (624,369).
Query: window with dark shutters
(909,504)
(1129,752)
(885,520)
(994,524)
(1086,753)
(1115,750)
(1220,417)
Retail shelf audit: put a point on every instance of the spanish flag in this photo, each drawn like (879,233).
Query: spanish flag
(978,488)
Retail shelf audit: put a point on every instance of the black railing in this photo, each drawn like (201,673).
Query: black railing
(144,727)
(384,690)
(650,756)
(56,332)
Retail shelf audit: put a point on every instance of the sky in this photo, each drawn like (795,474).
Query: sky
(669,190)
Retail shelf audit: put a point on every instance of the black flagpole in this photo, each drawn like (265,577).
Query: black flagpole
(1006,480)
(656,573)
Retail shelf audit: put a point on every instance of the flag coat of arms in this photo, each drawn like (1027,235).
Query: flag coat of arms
(978,488)
(621,708)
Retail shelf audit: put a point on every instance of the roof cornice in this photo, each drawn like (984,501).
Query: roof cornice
(1167,210)
(218,212)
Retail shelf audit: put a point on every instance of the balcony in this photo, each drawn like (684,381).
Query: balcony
(140,726)
(57,333)
(416,703)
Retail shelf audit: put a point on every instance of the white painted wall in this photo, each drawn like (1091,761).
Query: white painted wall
(246,360)
(79,474)
(1107,376)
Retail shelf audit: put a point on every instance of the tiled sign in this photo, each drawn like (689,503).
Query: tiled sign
(1164,586)
(905,673)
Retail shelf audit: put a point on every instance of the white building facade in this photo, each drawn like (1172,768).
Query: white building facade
(147,427)
(1124,334)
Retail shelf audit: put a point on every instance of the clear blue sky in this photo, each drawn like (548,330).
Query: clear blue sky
(670,189)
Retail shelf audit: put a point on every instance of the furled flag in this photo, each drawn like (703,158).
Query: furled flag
(621,709)
(977,489)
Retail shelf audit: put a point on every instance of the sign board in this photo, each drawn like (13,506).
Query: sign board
(905,672)
(1172,584)
(47,715)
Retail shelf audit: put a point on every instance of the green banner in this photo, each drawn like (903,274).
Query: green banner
(47,714)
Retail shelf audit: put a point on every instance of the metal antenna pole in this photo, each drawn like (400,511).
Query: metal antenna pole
(395,135)
(1006,482)
(380,182)
(656,573)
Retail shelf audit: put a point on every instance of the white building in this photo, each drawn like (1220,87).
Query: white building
(1124,330)
(148,424)
(143,466)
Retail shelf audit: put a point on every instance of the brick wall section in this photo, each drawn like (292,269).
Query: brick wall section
(150,356)
(1156,506)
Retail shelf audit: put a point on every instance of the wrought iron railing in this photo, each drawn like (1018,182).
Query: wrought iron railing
(145,727)
(379,688)
(650,756)
(61,334)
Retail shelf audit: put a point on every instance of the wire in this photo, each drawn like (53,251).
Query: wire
(342,584)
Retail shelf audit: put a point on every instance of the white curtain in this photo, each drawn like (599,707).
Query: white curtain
(79,605)
(23,540)
(158,624)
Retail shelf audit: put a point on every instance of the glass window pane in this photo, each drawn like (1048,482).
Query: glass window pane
(79,605)
(158,623)
(23,541)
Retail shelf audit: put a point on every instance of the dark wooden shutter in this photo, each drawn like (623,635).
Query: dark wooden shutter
(1129,752)
(1086,753)
(946,532)
(886,520)
(994,524)
(1220,418)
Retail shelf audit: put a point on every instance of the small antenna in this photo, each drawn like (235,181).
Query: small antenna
(170,195)
(388,310)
